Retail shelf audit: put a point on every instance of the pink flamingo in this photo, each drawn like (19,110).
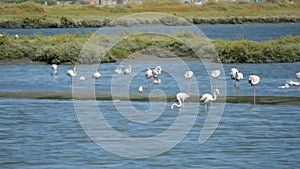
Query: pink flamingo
(148,76)
(254,80)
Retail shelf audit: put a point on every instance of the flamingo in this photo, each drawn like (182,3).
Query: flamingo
(207,98)
(298,76)
(157,71)
(294,83)
(127,71)
(188,75)
(54,69)
(96,75)
(253,80)
(141,89)
(148,76)
(156,81)
(82,78)
(287,85)
(118,70)
(236,76)
(72,73)
(215,73)
(180,97)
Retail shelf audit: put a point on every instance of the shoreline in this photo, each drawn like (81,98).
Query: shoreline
(20,23)
(27,61)
(272,100)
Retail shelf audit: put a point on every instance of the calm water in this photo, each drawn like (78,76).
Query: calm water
(39,78)
(255,32)
(47,134)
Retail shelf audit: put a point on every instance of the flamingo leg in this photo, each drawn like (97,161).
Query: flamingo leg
(71,83)
(236,84)
(254,94)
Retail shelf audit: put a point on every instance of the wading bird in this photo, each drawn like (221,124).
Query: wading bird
(298,76)
(180,97)
(236,76)
(72,73)
(141,89)
(156,81)
(207,98)
(284,86)
(296,83)
(157,71)
(253,80)
(148,76)
(96,75)
(127,71)
(118,70)
(215,73)
(54,69)
(82,78)
(188,75)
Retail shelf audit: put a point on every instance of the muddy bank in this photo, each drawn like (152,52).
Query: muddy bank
(274,100)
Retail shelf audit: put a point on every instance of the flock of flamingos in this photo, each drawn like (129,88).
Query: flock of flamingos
(181,96)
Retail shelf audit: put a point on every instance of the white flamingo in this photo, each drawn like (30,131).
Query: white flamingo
(298,76)
(180,97)
(188,75)
(127,71)
(82,78)
(296,83)
(254,80)
(54,69)
(293,83)
(96,75)
(236,76)
(157,71)
(287,85)
(141,89)
(72,73)
(215,73)
(156,81)
(207,98)
(118,70)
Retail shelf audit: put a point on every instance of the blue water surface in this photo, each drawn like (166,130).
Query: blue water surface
(47,134)
(256,32)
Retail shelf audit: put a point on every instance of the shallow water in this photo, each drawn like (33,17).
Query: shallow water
(256,32)
(39,78)
(47,134)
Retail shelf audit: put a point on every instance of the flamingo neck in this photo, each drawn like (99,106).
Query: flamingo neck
(74,69)
(175,104)
(215,96)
